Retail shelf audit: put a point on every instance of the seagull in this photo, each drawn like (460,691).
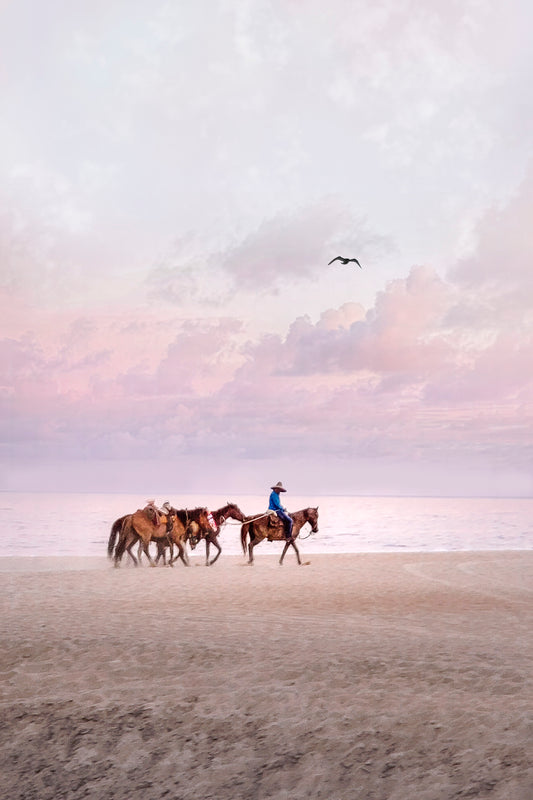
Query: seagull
(345,261)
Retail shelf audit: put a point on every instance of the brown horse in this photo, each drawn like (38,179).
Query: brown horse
(230,510)
(269,526)
(197,526)
(118,527)
(144,527)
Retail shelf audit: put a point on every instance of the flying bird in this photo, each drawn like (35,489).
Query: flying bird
(345,261)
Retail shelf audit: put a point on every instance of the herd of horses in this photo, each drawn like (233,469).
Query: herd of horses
(181,527)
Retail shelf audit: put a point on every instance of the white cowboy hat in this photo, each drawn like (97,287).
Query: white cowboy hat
(166,506)
(278,487)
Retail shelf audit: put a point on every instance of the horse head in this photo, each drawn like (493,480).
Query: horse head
(234,512)
(311,516)
(193,534)
(204,522)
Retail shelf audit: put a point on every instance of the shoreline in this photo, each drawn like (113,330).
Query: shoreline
(371,675)
(61,563)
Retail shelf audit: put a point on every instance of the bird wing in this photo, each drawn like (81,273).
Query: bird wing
(337,258)
(357,262)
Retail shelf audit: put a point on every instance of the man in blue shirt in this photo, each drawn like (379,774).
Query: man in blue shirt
(274,504)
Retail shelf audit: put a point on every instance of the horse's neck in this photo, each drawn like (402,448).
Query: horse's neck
(300,517)
(220,512)
(183,515)
(190,513)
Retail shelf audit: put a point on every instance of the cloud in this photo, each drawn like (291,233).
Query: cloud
(177,183)
(502,261)
(398,380)
(401,335)
(298,246)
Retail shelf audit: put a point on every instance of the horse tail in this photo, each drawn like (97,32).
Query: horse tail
(115,530)
(121,546)
(244,532)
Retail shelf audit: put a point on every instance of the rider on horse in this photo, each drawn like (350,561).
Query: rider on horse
(274,504)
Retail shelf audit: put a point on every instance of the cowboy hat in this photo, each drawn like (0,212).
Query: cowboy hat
(166,507)
(278,487)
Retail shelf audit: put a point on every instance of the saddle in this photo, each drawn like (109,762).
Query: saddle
(157,517)
(153,514)
(276,527)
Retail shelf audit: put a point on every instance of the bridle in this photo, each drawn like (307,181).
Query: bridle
(314,529)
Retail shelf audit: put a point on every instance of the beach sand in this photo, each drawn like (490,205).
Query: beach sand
(375,676)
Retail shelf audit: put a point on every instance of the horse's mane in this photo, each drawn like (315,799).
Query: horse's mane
(189,513)
(226,507)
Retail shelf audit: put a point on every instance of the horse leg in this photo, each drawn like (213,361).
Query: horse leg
(146,551)
(290,543)
(127,539)
(285,548)
(214,541)
(252,544)
(293,543)
(128,550)
(182,554)
(161,554)
(207,548)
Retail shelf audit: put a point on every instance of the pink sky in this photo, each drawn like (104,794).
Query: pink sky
(174,184)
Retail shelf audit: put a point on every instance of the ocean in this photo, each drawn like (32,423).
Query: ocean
(33,524)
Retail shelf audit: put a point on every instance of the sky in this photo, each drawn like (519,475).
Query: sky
(175,178)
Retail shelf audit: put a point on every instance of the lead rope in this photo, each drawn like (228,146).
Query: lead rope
(246,521)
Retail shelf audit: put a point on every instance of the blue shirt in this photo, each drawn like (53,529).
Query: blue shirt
(274,503)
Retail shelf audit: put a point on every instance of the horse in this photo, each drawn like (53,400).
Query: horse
(145,526)
(268,526)
(197,526)
(230,510)
(117,529)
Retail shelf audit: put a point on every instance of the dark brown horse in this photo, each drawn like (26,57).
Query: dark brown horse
(229,511)
(269,526)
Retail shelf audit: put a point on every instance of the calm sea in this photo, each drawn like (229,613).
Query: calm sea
(79,524)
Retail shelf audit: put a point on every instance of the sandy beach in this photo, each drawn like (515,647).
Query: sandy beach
(379,676)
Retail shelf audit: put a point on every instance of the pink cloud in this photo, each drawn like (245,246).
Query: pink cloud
(437,368)
(395,380)
(502,260)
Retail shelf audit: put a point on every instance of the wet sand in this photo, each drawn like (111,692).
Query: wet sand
(375,676)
